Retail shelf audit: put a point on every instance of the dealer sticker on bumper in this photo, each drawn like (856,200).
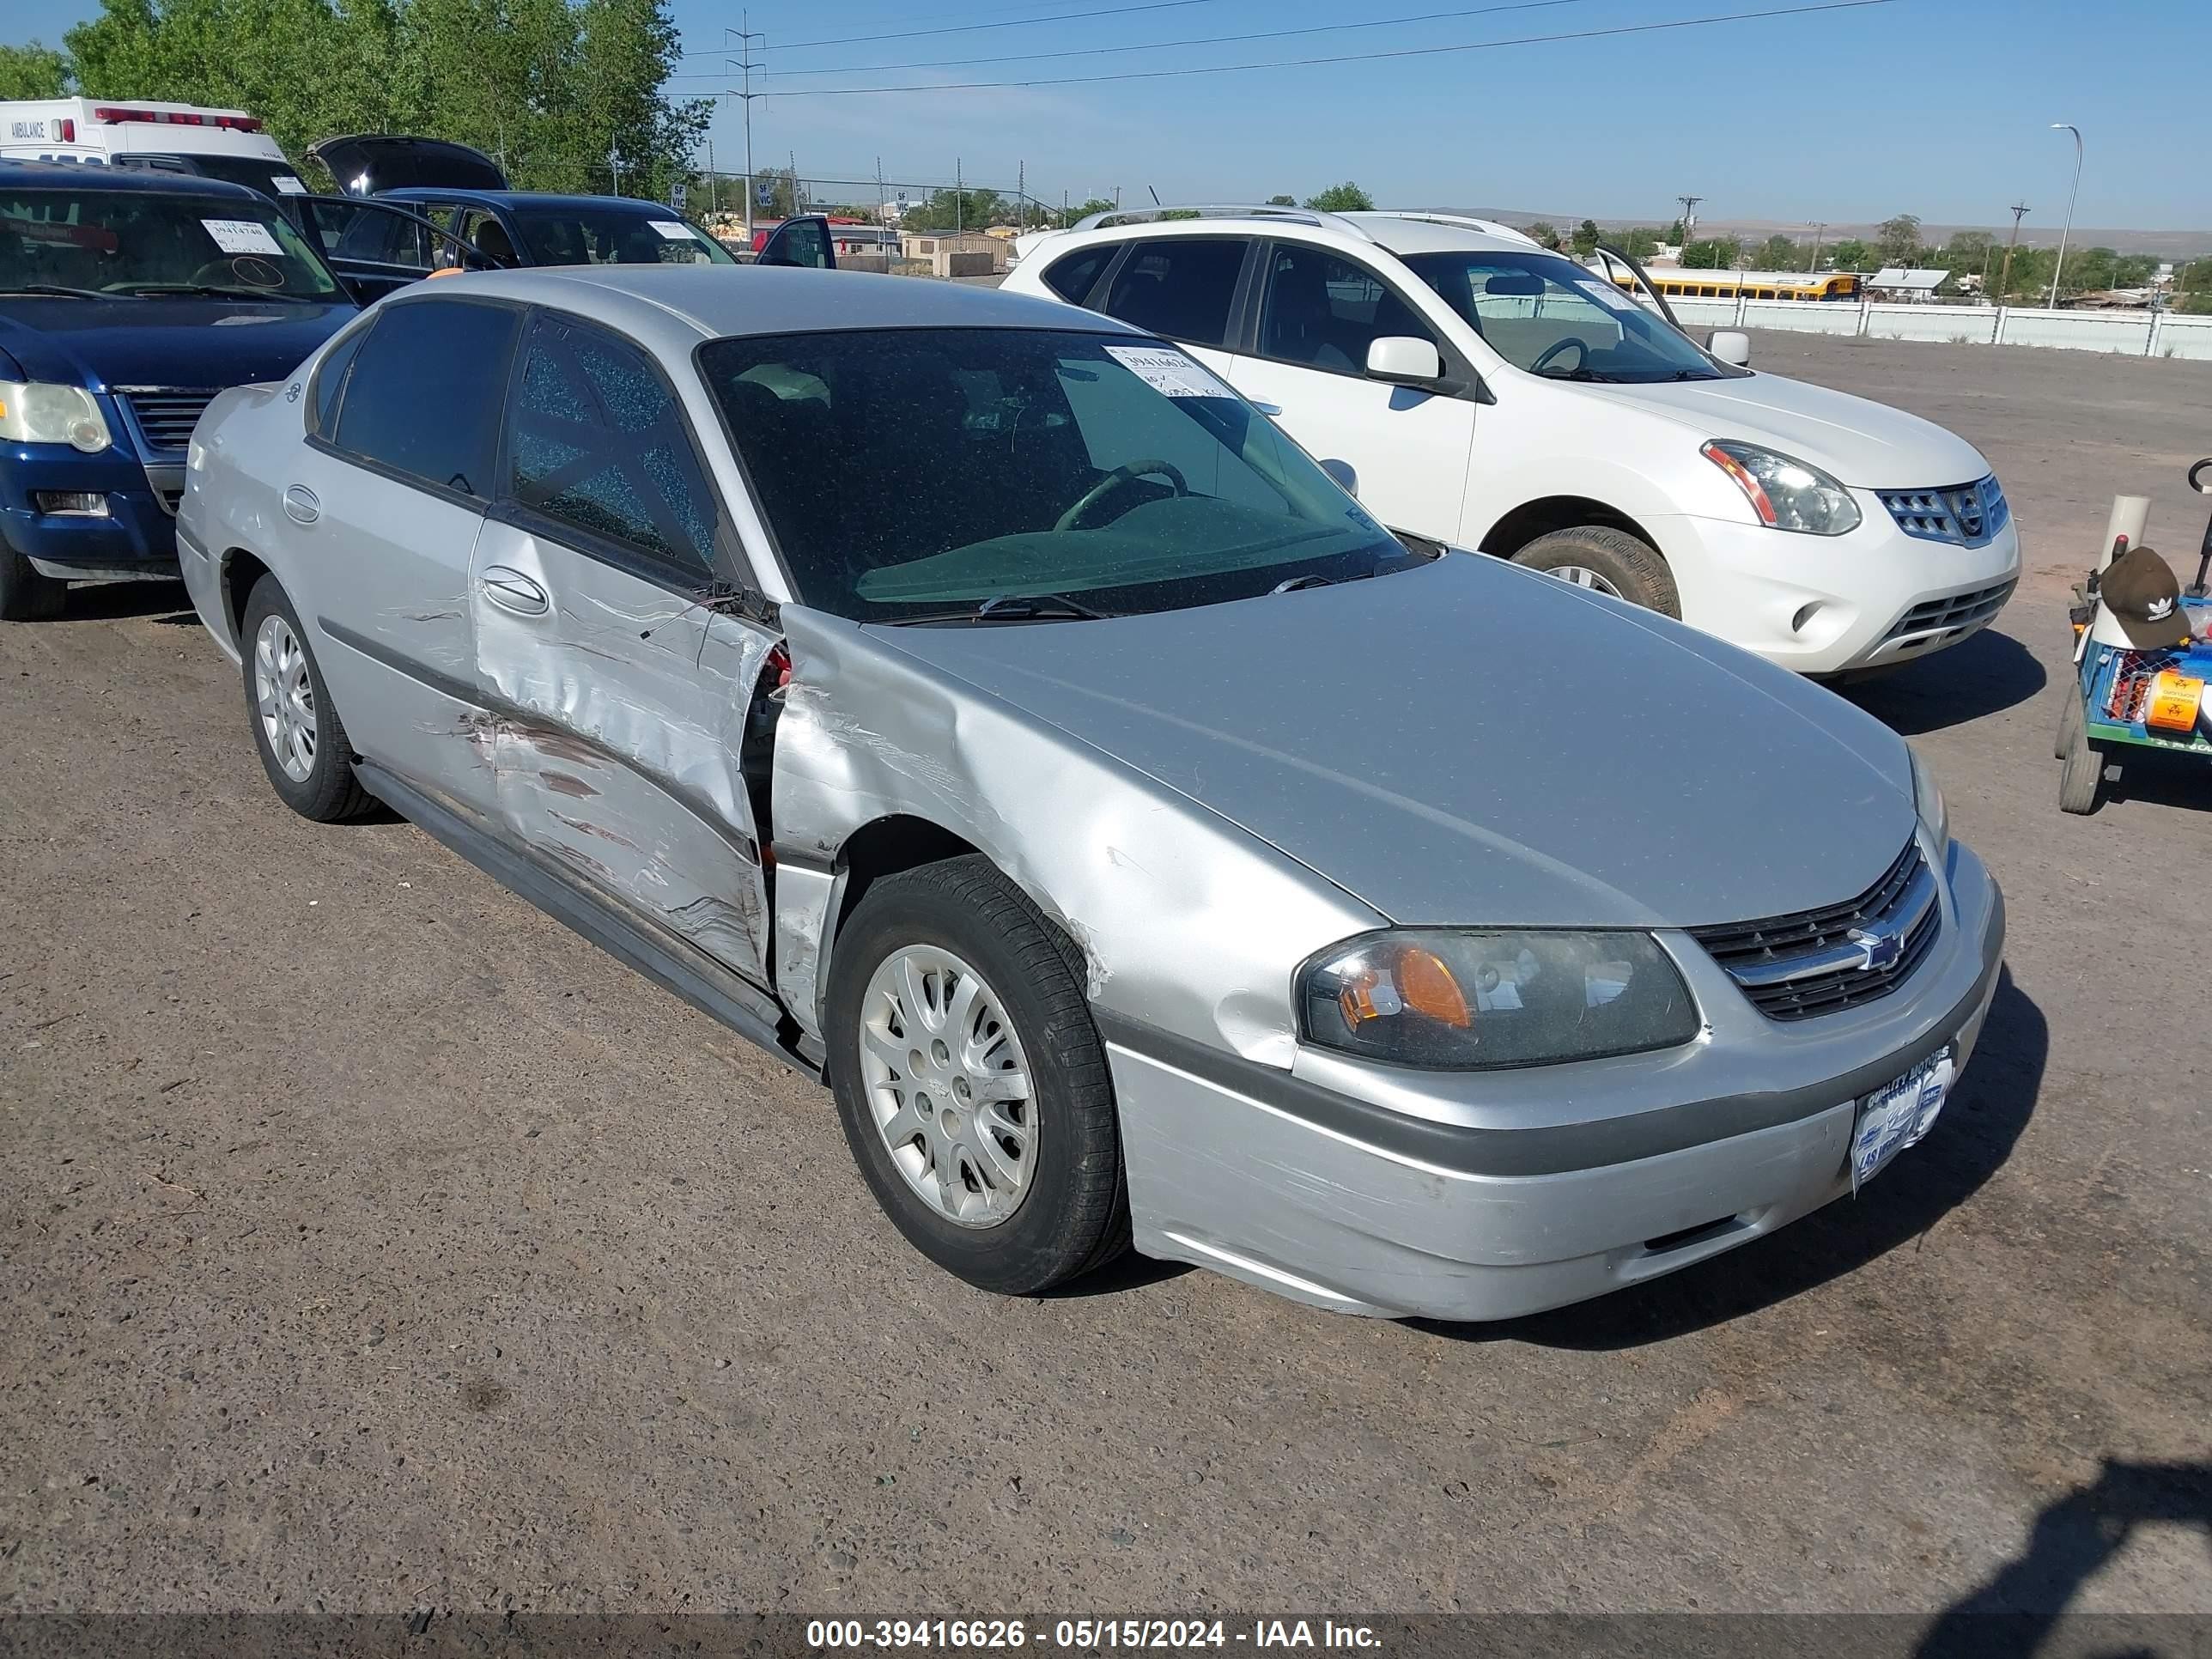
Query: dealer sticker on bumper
(1894,1118)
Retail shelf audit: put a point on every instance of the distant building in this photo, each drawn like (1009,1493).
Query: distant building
(1913,286)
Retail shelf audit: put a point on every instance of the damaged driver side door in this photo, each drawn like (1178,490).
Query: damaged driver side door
(620,691)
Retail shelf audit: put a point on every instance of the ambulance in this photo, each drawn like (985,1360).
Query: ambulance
(215,143)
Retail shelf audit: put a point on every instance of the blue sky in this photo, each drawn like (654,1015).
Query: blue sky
(1937,107)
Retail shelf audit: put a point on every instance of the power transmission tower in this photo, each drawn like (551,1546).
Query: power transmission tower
(745,60)
(2004,273)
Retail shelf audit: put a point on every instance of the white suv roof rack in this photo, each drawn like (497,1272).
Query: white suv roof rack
(1138,215)
(1348,223)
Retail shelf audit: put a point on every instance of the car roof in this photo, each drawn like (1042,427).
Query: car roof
(1405,231)
(521,198)
(144,181)
(673,308)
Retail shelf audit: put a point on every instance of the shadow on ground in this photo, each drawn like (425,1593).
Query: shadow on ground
(1976,1134)
(2017,1613)
(160,602)
(1984,675)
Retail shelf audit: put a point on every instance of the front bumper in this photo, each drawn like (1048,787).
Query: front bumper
(135,539)
(1476,1196)
(1823,605)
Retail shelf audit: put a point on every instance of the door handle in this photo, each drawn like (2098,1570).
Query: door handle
(301,505)
(510,590)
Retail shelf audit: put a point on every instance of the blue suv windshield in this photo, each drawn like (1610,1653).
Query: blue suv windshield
(1554,317)
(125,243)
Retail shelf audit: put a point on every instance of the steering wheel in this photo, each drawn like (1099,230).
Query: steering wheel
(1581,353)
(1113,480)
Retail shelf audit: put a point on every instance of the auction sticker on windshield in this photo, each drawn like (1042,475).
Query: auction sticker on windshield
(241,236)
(674,233)
(1897,1114)
(1168,372)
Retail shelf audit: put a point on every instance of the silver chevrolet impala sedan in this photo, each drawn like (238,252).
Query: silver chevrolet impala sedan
(979,704)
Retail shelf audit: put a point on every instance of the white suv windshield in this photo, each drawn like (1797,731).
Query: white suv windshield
(1551,317)
(915,474)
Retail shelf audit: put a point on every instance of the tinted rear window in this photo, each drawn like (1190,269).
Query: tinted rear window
(1182,289)
(1073,277)
(425,393)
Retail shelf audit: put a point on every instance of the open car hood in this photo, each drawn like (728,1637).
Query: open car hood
(369,162)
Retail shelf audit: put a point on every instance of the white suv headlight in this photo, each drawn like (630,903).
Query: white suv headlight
(1786,493)
(38,413)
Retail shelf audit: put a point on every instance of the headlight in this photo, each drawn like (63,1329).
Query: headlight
(1927,801)
(1465,1001)
(41,414)
(1787,495)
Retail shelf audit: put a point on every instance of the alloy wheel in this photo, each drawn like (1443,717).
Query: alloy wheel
(284,697)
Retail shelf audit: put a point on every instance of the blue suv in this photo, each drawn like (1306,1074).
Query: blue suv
(128,300)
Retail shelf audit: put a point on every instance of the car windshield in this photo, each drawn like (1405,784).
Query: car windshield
(915,474)
(613,236)
(152,243)
(1551,317)
(271,176)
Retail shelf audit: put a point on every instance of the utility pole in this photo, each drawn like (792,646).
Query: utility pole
(1021,192)
(1689,217)
(959,200)
(2020,210)
(745,60)
(1813,269)
(2061,126)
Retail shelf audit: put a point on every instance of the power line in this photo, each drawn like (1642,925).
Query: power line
(1163,45)
(1348,58)
(970,28)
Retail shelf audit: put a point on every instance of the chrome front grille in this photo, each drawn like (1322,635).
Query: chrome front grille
(166,414)
(1967,514)
(1954,613)
(1823,960)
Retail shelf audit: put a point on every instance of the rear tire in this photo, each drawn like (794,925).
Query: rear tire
(308,758)
(1054,1206)
(1604,558)
(26,594)
(2080,783)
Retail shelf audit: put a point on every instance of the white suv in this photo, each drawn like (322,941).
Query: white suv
(1489,394)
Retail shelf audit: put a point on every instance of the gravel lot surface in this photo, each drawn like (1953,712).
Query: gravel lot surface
(368,1242)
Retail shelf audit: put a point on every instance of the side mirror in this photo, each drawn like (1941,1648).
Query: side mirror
(1346,476)
(803,241)
(1730,345)
(1403,360)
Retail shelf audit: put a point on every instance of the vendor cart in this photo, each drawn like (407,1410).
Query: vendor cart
(2125,698)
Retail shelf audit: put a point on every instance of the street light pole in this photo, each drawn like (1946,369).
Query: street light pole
(1814,269)
(746,35)
(2061,126)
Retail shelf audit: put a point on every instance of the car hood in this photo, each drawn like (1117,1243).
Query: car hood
(1859,442)
(168,343)
(1470,742)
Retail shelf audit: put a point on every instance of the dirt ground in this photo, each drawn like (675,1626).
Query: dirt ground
(369,1242)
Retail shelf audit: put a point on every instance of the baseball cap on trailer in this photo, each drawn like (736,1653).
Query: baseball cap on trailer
(2143,599)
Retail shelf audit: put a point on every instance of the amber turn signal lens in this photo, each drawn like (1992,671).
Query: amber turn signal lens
(1428,987)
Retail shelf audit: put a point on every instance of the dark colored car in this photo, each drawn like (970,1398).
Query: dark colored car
(129,298)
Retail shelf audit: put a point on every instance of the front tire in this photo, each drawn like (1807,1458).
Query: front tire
(1607,561)
(971,1082)
(296,729)
(2082,782)
(26,594)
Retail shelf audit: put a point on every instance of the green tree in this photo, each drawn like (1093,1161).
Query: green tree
(2192,287)
(1346,197)
(962,209)
(1095,204)
(1778,253)
(1640,243)
(552,87)
(1586,238)
(33,71)
(1853,253)
(1712,254)
(1282,201)
(1898,241)
(1545,233)
(1676,233)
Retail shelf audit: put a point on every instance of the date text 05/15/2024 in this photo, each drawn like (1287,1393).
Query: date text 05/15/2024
(1107,1635)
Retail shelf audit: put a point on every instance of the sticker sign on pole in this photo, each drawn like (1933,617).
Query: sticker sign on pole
(678,196)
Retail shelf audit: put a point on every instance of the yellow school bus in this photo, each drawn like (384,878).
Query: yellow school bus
(1677,284)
